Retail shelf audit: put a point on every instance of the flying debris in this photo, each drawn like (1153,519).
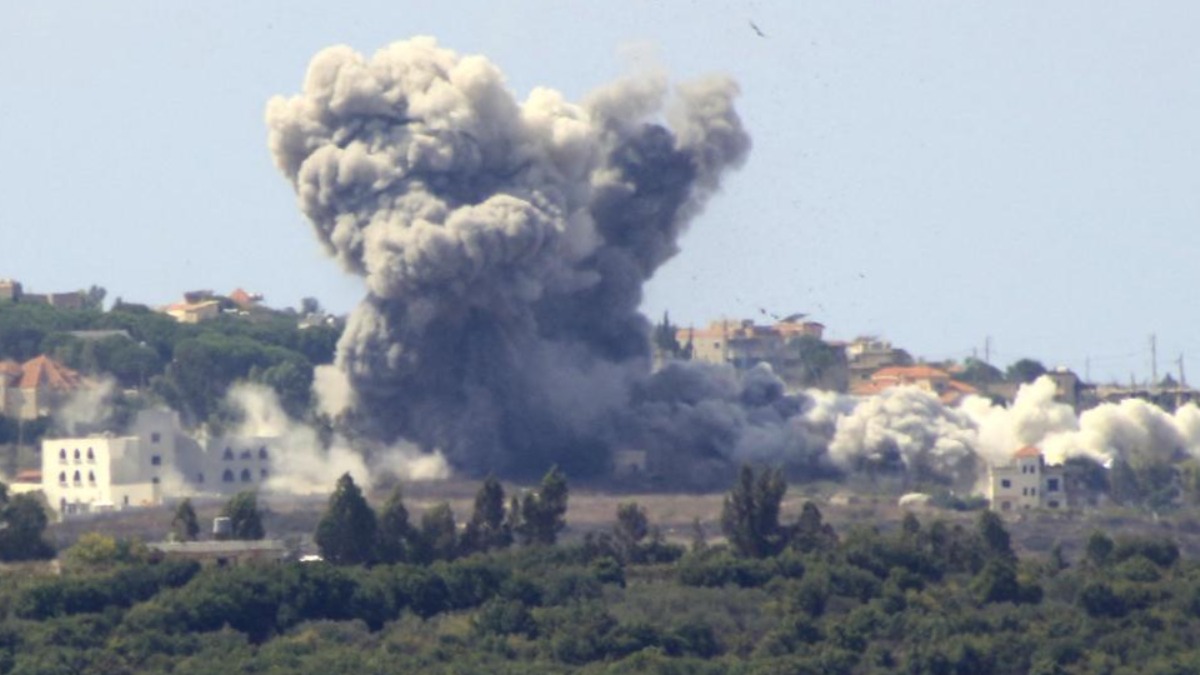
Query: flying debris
(757,30)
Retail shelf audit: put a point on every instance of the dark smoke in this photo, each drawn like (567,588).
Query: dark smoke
(504,247)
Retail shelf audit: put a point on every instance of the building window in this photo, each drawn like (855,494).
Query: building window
(62,455)
(262,473)
(78,478)
(76,455)
(1053,505)
(62,477)
(91,478)
(91,455)
(246,454)
(1032,492)
(1051,485)
(227,476)
(155,437)
(1005,506)
(262,452)
(1005,483)
(245,475)
(156,460)
(228,454)
(154,480)
(125,501)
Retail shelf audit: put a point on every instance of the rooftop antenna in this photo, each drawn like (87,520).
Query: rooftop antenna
(1153,361)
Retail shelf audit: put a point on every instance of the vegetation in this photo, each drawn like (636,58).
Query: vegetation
(920,597)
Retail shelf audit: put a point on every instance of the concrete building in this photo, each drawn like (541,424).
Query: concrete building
(744,344)
(155,461)
(1027,482)
(229,553)
(868,354)
(933,380)
(194,312)
(10,290)
(35,388)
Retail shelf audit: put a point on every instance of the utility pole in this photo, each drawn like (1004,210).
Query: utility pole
(1153,361)
(1087,369)
(1179,386)
(987,349)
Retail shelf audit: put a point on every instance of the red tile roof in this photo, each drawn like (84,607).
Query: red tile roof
(28,476)
(44,372)
(910,373)
(10,370)
(1027,451)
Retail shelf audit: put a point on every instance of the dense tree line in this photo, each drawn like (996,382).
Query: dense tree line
(791,597)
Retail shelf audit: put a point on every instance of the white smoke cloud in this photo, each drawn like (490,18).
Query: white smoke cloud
(303,465)
(89,408)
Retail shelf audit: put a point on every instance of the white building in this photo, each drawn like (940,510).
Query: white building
(155,461)
(1027,483)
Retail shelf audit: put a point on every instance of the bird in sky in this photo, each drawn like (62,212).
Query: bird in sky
(758,30)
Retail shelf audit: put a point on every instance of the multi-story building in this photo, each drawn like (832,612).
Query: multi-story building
(153,462)
(744,344)
(1027,483)
(933,380)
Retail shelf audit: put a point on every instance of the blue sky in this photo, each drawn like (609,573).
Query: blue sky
(931,172)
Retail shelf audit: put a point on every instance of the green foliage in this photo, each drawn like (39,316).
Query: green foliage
(184,525)
(245,518)
(23,523)
(489,527)
(979,372)
(395,537)
(750,513)
(438,536)
(346,533)
(1024,371)
(543,513)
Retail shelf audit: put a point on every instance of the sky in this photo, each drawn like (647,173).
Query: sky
(941,174)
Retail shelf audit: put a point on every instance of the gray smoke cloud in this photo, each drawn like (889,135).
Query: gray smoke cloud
(504,246)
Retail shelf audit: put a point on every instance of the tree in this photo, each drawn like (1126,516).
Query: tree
(488,527)
(976,371)
(439,534)
(244,516)
(394,534)
(23,523)
(996,539)
(665,341)
(1098,549)
(632,526)
(811,532)
(1025,371)
(543,513)
(310,305)
(184,525)
(750,513)
(346,533)
(93,297)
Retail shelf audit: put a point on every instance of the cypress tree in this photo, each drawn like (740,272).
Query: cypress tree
(346,532)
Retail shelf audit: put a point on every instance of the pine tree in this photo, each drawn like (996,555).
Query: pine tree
(543,514)
(184,525)
(346,532)
(488,527)
(394,535)
(439,534)
(244,516)
(632,527)
(750,513)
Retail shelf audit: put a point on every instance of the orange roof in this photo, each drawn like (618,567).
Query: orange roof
(910,373)
(10,369)
(43,371)
(28,476)
(1027,451)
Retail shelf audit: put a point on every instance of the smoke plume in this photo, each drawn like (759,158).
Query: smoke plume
(306,465)
(89,408)
(504,246)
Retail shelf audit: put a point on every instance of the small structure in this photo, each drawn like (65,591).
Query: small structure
(628,462)
(194,312)
(227,553)
(35,388)
(933,380)
(1027,483)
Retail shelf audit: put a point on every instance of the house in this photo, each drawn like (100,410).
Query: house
(928,378)
(35,388)
(10,290)
(245,300)
(193,312)
(154,462)
(1027,482)
(744,344)
(223,553)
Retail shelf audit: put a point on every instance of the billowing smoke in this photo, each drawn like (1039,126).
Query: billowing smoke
(89,409)
(504,246)
(304,464)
